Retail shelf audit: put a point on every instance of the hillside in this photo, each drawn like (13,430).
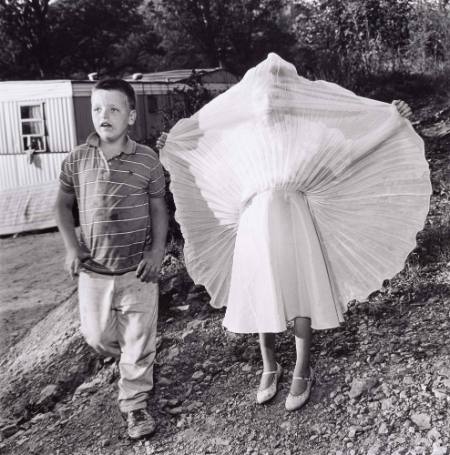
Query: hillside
(383,379)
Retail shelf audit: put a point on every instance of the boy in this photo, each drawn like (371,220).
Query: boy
(119,187)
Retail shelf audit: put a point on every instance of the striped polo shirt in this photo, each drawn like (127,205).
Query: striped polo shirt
(113,201)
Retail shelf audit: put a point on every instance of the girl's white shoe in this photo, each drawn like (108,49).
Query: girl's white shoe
(269,392)
(294,402)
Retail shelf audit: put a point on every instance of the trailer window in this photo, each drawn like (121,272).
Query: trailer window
(33,127)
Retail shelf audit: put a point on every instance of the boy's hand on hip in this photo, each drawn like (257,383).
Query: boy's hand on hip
(74,258)
(150,265)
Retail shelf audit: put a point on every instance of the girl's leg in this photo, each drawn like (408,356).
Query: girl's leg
(267,346)
(302,332)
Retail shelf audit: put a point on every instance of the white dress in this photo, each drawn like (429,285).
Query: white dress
(294,197)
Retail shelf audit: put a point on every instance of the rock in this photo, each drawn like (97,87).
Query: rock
(188,335)
(175,411)
(198,375)
(439,450)
(87,388)
(250,353)
(39,417)
(173,352)
(246,368)
(173,402)
(374,450)
(439,394)
(383,429)
(164,381)
(48,396)
(433,435)
(422,421)
(193,406)
(194,324)
(180,308)
(444,371)
(9,430)
(386,404)
(360,386)
(400,451)
(220,441)
(286,425)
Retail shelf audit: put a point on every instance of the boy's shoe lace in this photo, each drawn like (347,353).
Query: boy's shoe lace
(140,423)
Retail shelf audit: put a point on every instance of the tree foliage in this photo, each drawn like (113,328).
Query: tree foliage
(359,36)
(106,36)
(330,39)
(24,31)
(235,33)
(70,38)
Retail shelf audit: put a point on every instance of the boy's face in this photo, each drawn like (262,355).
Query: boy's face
(111,114)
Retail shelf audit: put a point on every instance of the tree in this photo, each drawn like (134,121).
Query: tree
(24,30)
(343,39)
(71,38)
(106,36)
(236,33)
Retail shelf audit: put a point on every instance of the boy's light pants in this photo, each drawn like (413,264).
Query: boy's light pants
(118,318)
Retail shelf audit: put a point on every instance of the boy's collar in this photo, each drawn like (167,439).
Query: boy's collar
(93,140)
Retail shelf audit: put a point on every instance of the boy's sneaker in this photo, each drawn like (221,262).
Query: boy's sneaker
(140,423)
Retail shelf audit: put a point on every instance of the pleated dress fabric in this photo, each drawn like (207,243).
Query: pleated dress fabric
(294,197)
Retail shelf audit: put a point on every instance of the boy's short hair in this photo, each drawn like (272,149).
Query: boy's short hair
(121,86)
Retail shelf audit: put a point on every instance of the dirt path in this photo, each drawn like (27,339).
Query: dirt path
(33,282)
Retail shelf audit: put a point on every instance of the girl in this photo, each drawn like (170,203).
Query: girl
(294,197)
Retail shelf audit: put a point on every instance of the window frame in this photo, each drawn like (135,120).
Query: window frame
(25,139)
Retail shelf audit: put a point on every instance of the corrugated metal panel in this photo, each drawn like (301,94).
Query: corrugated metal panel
(10,139)
(33,90)
(59,122)
(15,171)
(28,208)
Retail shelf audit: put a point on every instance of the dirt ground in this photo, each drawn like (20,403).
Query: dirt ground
(33,283)
(383,378)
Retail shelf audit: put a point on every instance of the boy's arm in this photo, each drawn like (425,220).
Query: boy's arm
(66,225)
(150,265)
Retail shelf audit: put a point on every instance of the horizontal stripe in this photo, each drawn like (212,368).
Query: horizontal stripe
(121,258)
(119,246)
(94,169)
(114,208)
(121,196)
(148,155)
(141,164)
(106,234)
(108,181)
(114,221)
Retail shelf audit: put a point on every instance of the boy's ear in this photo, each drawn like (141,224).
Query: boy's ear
(132,117)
